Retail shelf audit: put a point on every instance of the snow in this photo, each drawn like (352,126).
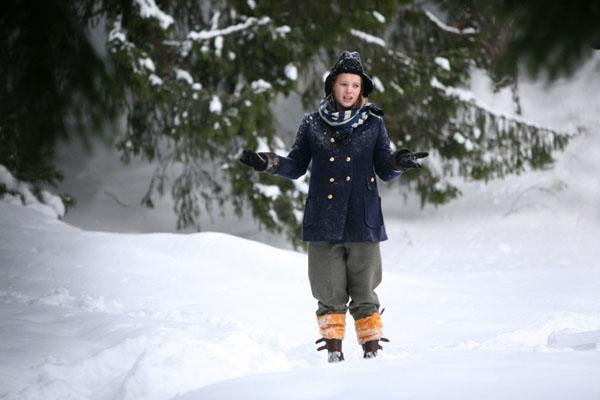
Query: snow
(460,139)
(589,340)
(398,88)
(443,26)
(262,145)
(215,105)
(181,74)
(21,193)
(283,30)
(7,179)
(271,191)
(155,80)
(291,72)
(210,34)
(447,376)
(116,33)
(379,17)
(147,63)
(367,37)
(301,186)
(443,63)
(149,9)
(219,45)
(260,86)
(378,85)
(478,306)
(54,202)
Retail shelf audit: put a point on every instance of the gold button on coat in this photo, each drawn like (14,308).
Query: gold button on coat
(372,179)
(348,178)
(332,140)
(331,179)
(348,158)
(331,159)
(330,196)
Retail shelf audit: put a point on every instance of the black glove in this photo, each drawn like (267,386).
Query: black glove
(406,159)
(254,160)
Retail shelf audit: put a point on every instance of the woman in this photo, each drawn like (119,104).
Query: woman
(348,144)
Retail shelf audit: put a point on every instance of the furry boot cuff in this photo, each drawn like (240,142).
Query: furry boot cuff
(332,326)
(369,328)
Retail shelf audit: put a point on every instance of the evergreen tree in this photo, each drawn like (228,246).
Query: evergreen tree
(53,84)
(550,37)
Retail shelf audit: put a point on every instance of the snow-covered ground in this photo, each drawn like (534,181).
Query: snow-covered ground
(482,306)
(494,296)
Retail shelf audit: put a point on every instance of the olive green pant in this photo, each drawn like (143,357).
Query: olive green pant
(339,272)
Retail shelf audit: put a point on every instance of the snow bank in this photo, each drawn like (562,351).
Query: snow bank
(22,193)
(446,376)
(91,315)
(587,340)
(496,308)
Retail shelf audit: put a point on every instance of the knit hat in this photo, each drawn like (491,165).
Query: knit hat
(349,62)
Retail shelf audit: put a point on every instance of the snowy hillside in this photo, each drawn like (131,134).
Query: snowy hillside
(486,306)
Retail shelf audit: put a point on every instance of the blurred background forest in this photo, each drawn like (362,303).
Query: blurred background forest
(186,85)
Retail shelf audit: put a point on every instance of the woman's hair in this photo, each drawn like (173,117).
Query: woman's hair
(360,101)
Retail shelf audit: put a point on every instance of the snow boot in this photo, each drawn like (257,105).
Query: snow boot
(371,347)
(332,327)
(334,349)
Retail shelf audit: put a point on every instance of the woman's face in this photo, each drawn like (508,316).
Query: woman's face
(346,89)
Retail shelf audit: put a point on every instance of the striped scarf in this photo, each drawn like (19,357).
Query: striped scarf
(344,120)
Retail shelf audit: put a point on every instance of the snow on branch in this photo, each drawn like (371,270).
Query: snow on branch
(21,193)
(117,32)
(467,96)
(260,86)
(448,28)
(205,35)
(149,9)
(184,75)
(368,37)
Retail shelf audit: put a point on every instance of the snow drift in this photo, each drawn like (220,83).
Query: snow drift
(500,307)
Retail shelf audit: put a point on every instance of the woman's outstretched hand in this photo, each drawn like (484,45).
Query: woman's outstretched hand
(406,159)
(254,160)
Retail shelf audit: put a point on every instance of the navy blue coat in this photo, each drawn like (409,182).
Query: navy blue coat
(343,202)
